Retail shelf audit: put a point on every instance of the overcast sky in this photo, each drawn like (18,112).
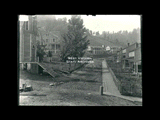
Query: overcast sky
(107,22)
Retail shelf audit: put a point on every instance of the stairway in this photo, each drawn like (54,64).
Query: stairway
(52,69)
(48,69)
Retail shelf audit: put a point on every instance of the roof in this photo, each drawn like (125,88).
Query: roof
(115,47)
(51,33)
(129,45)
(97,47)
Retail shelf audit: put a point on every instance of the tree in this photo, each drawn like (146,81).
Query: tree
(97,33)
(93,33)
(90,32)
(104,34)
(74,41)
(50,23)
(49,55)
(40,51)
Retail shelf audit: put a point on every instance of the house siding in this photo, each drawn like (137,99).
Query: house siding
(27,40)
(21,45)
(27,47)
(138,54)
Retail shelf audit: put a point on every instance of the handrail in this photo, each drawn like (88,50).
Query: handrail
(116,81)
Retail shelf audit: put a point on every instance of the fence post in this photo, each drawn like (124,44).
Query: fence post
(101,90)
(131,88)
(120,87)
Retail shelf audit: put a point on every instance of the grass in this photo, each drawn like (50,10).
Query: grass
(81,89)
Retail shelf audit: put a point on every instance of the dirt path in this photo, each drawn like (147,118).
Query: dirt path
(70,93)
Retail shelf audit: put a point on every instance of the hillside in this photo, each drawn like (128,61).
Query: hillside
(98,41)
(123,37)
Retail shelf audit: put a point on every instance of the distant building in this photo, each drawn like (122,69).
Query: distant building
(108,48)
(114,49)
(130,57)
(53,42)
(95,50)
(89,48)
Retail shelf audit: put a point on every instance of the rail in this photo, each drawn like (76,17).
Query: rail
(116,81)
(126,82)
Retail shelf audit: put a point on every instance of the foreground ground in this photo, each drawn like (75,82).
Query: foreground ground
(72,92)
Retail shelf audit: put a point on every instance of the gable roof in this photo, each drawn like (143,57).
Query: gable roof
(52,33)
(55,34)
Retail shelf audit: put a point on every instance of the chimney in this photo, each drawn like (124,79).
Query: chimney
(128,44)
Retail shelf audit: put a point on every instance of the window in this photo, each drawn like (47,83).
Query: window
(124,51)
(53,52)
(124,56)
(53,46)
(131,54)
(53,40)
(127,63)
(139,68)
(57,46)
(26,25)
(136,45)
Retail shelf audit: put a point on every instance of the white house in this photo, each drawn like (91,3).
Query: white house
(108,48)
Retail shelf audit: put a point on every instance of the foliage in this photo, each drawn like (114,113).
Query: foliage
(40,51)
(53,24)
(74,41)
(97,33)
(122,37)
(49,54)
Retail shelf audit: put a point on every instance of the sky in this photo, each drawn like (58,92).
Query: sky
(105,22)
(23,18)
(109,22)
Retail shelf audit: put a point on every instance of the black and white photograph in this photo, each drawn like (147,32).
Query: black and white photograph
(79,60)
